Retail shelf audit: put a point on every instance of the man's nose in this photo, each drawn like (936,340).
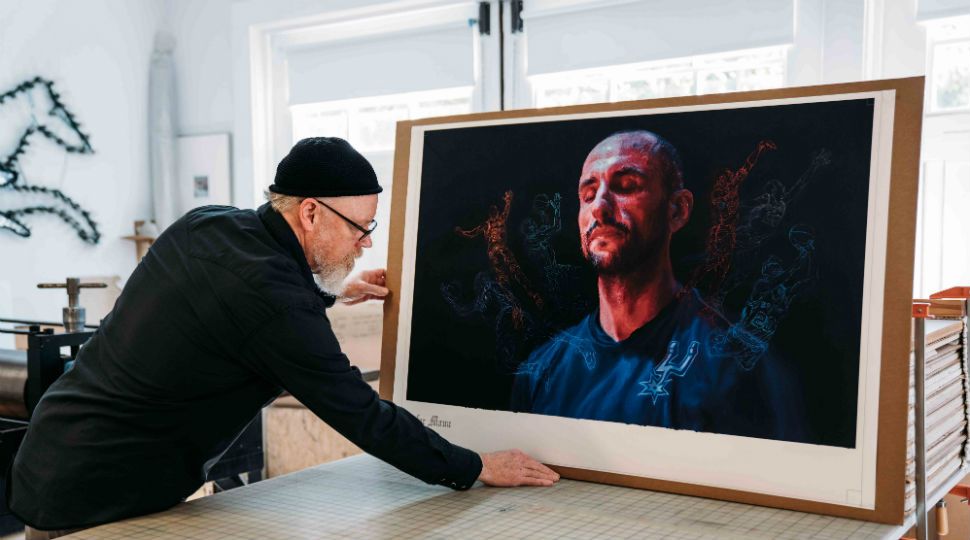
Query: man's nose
(603,205)
(366,241)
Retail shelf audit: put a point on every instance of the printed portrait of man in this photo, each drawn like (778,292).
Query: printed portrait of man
(648,353)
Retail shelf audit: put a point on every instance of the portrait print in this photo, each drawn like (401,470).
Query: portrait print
(717,247)
(695,273)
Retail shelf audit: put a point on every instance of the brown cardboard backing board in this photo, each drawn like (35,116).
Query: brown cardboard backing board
(894,374)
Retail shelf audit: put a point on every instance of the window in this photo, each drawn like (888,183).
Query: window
(949,61)
(942,251)
(369,123)
(751,69)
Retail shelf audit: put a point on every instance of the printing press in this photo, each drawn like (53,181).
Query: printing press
(50,350)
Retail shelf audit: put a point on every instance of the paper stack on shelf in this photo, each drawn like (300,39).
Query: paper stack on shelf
(947,407)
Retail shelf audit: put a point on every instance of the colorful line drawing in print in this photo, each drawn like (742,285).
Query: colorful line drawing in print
(770,299)
(722,236)
(504,265)
(763,219)
(560,282)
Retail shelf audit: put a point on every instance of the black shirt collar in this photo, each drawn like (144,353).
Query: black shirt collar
(280,230)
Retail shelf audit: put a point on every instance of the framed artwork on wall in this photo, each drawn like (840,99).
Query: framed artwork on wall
(706,295)
(204,175)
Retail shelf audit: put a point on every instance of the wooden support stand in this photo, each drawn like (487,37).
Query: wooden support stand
(142,242)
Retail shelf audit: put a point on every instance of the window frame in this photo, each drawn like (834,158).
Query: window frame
(269,119)
(931,67)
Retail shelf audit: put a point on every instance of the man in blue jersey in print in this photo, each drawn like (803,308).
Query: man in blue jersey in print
(646,355)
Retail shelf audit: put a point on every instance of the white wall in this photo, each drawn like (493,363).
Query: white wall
(203,64)
(212,63)
(97,52)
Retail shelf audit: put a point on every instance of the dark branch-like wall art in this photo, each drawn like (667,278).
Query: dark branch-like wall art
(707,295)
(31,110)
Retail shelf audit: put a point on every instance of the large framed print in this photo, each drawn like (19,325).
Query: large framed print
(706,295)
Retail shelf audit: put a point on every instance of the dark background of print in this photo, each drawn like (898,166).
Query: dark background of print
(454,359)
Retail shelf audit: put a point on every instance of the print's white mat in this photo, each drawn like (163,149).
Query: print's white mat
(361,497)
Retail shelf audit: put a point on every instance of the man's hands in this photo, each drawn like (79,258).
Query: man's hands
(502,469)
(363,286)
(510,468)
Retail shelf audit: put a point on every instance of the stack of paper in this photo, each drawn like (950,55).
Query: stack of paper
(946,409)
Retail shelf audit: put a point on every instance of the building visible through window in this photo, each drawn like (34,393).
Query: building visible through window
(752,69)
(949,59)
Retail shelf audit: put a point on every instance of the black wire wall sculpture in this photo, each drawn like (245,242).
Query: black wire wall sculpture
(35,91)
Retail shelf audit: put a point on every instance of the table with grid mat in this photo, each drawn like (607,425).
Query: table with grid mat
(361,497)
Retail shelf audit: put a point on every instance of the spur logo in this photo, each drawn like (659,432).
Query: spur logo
(672,366)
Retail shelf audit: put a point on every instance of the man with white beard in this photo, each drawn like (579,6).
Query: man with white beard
(220,317)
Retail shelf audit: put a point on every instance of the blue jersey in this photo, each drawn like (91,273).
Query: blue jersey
(668,373)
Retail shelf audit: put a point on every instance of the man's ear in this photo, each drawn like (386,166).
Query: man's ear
(681,206)
(307,214)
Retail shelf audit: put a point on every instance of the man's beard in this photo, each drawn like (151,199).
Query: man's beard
(634,254)
(331,275)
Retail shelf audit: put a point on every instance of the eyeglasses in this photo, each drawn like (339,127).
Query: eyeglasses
(364,233)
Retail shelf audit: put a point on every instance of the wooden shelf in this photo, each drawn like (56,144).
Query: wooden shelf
(137,238)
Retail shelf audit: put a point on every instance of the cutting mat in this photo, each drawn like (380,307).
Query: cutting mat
(361,497)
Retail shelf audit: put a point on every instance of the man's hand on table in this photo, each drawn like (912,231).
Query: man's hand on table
(510,468)
(503,469)
(363,286)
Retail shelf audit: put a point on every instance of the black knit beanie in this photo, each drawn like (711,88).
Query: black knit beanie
(325,167)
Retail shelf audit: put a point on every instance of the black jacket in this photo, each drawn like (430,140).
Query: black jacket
(220,315)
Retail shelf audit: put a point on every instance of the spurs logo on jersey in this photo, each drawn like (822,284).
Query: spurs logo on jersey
(672,366)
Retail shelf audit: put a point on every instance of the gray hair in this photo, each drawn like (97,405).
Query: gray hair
(282,203)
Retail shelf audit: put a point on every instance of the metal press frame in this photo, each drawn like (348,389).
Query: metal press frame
(920,311)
